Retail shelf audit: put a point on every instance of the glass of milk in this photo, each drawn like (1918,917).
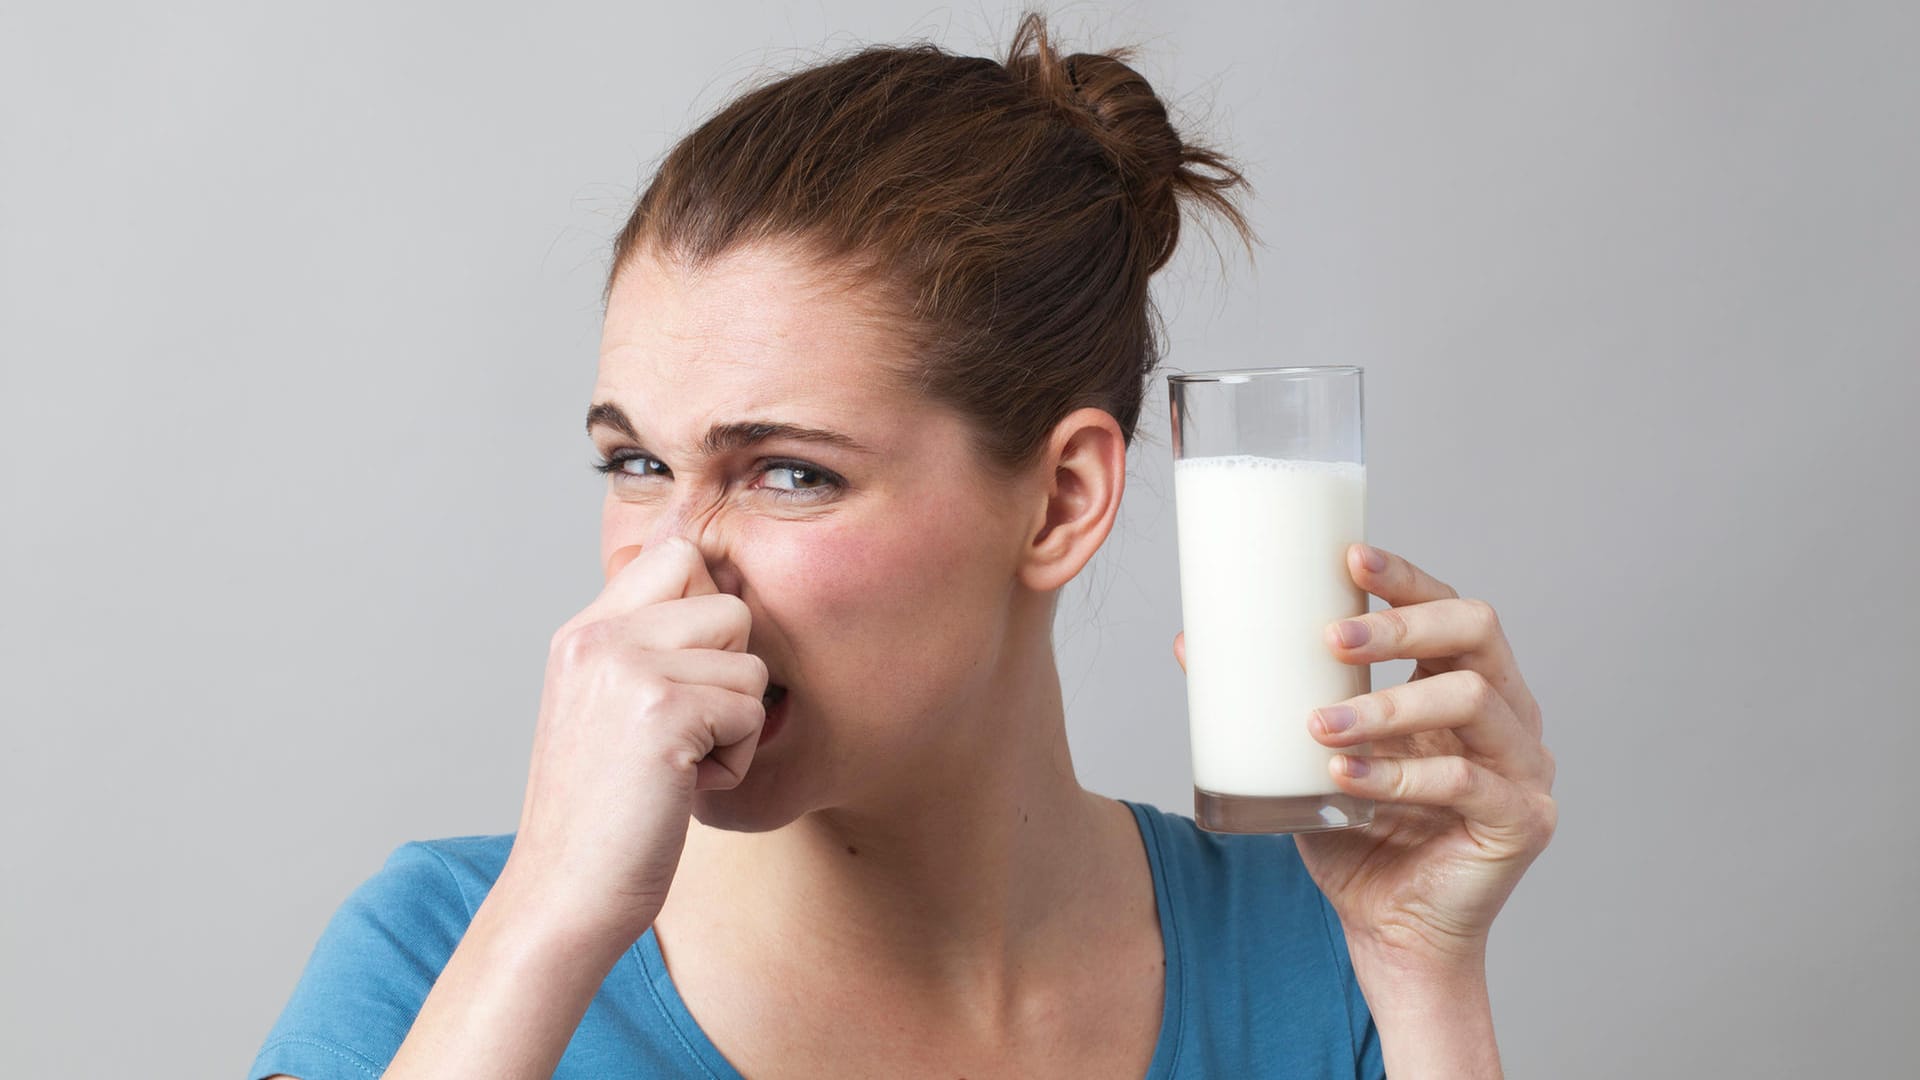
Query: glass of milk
(1270,487)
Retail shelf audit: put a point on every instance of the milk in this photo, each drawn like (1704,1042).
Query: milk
(1262,572)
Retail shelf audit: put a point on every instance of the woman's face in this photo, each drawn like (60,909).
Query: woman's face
(878,563)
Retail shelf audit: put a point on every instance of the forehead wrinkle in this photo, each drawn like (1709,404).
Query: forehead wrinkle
(787,331)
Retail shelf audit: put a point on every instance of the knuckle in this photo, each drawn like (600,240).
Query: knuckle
(1548,766)
(1485,618)
(1546,818)
(1402,786)
(681,753)
(1394,621)
(655,693)
(576,643)
(1386,706)
(680,552)
(751,712)
(1481,695)
(736,609)
(1458,776)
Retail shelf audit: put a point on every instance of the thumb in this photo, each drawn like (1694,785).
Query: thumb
(1180,649)
(699,580)
(620,558)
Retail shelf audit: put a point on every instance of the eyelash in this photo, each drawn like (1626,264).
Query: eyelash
(611,465)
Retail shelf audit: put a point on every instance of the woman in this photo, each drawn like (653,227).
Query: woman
(801,802)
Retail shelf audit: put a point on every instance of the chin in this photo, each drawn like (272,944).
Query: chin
(744,808)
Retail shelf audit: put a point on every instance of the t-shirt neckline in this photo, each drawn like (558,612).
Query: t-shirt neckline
(1166,1048)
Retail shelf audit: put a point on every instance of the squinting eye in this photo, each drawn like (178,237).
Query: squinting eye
(617,465)
(803,478)
(802,481)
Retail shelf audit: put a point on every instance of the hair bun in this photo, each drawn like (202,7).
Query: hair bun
(1109,100)
(1131,119)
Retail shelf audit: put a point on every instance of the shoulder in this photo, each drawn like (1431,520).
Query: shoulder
(1252,881)
(1261,969)
(378,957)
(424,895)
(463,866)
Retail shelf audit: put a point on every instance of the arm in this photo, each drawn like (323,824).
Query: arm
(509,999)
(650,696)
(1433,1022)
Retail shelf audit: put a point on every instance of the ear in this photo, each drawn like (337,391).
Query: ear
(1085,470)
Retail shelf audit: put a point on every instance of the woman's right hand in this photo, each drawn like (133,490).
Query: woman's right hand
(650,695)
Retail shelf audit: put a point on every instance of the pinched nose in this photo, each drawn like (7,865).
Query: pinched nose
(715,554)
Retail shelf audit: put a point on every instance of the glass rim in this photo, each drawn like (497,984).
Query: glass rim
(1241,375)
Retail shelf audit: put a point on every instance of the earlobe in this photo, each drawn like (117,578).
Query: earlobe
(1087,465)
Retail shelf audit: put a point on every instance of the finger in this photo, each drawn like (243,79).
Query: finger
(619,560)
(1397,581)
(1464,633)
(699,580)
(731,725)
(726,767)
(1462,701)
(1402,584)
(668,570)
(713,621)
(1496,808)
(740,672)
(1180,649)
(1433,630)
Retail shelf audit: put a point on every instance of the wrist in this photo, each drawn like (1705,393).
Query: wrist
(548,916)
(1420,961)
(1431,1010)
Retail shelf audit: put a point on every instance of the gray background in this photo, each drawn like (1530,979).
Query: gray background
(300,308)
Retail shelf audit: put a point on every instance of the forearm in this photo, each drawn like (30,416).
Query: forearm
(1434,1023)
(508,1001)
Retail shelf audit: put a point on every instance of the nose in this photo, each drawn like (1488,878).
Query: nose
(704,528)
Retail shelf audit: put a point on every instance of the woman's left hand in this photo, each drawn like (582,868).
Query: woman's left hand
(1454,761)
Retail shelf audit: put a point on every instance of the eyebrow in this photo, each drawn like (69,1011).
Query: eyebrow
(722,438)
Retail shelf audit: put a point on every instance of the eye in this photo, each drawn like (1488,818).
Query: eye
(797,479)
(616,464)
(790,479)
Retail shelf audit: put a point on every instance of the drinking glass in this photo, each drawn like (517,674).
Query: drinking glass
(1270,487)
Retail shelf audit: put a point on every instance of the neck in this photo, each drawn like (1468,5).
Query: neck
(984,858)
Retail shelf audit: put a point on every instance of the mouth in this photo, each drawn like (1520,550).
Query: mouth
(774,700)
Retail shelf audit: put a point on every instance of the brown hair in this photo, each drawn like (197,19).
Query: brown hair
(1012,210)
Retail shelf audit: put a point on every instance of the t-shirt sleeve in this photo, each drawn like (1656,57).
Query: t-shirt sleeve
(370,972)
(1368,1063)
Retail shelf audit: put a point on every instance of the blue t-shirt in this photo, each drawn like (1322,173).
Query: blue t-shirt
(1258,983)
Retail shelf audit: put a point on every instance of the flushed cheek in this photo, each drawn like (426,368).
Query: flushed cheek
(903,608)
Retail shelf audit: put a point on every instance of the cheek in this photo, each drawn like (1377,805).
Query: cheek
(915,582)
(622,524)
(615,533)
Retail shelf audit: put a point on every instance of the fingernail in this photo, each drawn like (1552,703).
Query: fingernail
(1355,767)
(1372,559)
(1352,633)
(1336,717)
